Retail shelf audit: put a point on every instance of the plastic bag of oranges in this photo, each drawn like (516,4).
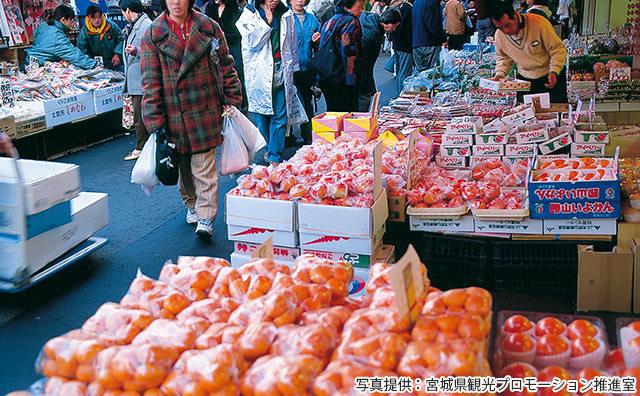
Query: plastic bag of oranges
(58,386)
(242,284)
(155,297)
(263,266)
(219,333)
(214,371)
(371,321)
(278,306)
(339,378)
(451,326)
(382,350)
(134,367)
(332,316)
(195,283)
(313,339)
(256,339)
(462,357)
(211,310)
(70,356)
(380,276)
(116,325)
(281,375)
(474,300)
(337,276)
(168,334)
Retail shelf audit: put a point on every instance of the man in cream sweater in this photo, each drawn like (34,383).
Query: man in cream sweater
(529,42)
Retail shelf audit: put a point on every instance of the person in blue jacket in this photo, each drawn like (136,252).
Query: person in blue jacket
(51,44)
(308,32)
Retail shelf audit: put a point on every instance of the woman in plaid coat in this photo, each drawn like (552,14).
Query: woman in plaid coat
(187,79)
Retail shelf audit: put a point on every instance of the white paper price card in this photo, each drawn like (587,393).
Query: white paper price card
(408,283)
(620,73)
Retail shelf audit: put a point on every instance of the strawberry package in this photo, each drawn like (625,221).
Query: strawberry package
(501,173)
(438,189)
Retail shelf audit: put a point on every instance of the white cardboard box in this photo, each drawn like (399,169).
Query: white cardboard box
(525,226)
(45,183)
(516,150)
(89,212)
(580,227)
(588,149)
(451,162)
(555,144)
(347,229)
(279,252)
(355,244)
(269,214)
(455,151)
(532,136)
(463,224)
(488,150)
(259,235)
(109,98)
(355,259)
(464,125)
(457,140)
(492,138)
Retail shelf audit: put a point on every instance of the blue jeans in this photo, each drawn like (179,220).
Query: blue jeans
(404,68)
(426,57)
(274,127)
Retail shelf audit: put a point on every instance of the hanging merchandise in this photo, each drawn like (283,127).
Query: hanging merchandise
(15,22)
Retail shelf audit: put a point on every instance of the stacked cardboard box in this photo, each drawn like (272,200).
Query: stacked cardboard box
(43,216)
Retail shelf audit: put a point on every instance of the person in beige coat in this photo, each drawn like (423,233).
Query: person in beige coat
(456,20)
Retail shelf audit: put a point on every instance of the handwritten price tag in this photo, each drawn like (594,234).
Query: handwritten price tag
(620,73)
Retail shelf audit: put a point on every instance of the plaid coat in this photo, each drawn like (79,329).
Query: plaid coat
(184,90)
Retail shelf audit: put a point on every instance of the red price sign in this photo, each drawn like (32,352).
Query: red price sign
(620,73)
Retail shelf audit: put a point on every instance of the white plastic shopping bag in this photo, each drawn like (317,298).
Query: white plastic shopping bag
(144,171)
(250,133)
(234,157)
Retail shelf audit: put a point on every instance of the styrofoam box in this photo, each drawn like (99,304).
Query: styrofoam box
(270,214)
(524,226)
(260,235)
(463,224)
(44,183)
(89,213)
(338,228)
(580,227)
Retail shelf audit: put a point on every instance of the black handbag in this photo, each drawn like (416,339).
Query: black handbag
(327,61)
(167,158)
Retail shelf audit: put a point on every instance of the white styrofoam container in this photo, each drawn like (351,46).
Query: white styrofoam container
(259,235)
(580,227)
(270,214)
(524,226)
(463,224)
(89,213)
(44,183)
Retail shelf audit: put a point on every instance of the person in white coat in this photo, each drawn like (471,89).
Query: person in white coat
(138,24)
(269,42)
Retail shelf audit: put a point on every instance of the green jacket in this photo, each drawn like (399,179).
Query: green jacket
(51,44)
(110,44)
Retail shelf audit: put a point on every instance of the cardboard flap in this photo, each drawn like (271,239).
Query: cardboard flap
(265,250)
(377,170)
(374,107)
(411,159)
(408,283)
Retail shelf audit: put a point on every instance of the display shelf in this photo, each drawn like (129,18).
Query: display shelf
(607,107)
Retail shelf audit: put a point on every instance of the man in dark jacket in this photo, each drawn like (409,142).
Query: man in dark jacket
(374,27)
(401,39)
(101,37)
(427,33)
